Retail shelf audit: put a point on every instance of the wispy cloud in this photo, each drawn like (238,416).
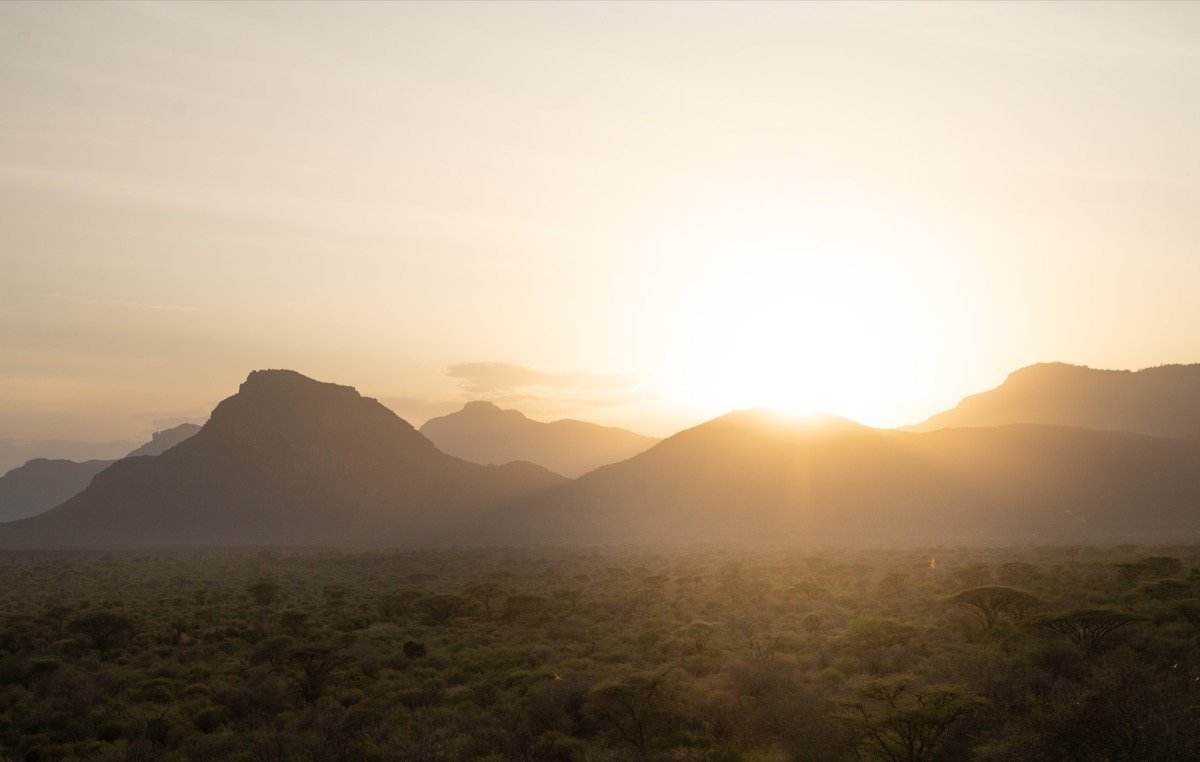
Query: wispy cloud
(157,307)
(124,304)
(492,378)
(614,400)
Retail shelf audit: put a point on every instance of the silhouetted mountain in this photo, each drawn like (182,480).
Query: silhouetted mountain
(751,476)
(483,433)
(1162,401)
(286,460)
(17,452)
(161,441)
(43,483)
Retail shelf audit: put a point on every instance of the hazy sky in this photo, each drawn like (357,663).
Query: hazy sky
(638,214)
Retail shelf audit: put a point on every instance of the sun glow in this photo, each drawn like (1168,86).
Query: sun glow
(803,323)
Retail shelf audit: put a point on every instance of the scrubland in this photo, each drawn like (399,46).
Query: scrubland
(1055,653)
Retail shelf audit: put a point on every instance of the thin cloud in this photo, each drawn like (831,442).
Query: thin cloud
(615,400)
(493,378)
(153,306)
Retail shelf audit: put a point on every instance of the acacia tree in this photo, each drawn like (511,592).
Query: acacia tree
(1162,566)
(904,722)
(760,638)
(806,591)
(313,664)
(1130,573)
(442,608)
(399,603)
(204,601)
(1188,609)
(990,601)
(698,634)
(335,600)
(571,595)
(1166,589)
(104,630)
(636,708)
(1087,628)
(522,606)
(265,593)
(484,593)
(1017,573)
(294,620)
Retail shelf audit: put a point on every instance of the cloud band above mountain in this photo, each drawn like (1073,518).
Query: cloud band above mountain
(503,377)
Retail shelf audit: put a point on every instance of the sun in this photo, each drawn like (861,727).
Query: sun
(803,324)
(790,334)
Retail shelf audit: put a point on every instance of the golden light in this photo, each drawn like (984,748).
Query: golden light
(806,321)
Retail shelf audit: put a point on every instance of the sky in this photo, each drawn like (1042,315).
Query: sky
(637,214)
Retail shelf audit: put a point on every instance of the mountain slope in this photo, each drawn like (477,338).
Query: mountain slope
(286,460)
(1161,401)
(43,483)
(483,433)
(161,441)
(750,476)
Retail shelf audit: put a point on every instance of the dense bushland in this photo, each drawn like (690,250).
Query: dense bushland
(1075,653)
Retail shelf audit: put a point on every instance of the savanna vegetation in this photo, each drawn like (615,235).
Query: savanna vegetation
(1068,653)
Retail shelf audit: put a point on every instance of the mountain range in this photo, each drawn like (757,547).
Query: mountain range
(1161,401)
(483,433)
(753,476)
(16,452)
(288,460)
(42,483)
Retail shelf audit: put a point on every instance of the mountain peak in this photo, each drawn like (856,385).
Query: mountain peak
(481,405)
(1161,401)
(487,409)
(1045,369)
(483,432)
(287,390)
(282,411)
(285,459)
(282,380)
(161,441)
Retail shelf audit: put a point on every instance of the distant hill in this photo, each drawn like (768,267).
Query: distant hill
(751,477)
(1162,401)
(17,452)
(483,433)
(43,483)
(286,460)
